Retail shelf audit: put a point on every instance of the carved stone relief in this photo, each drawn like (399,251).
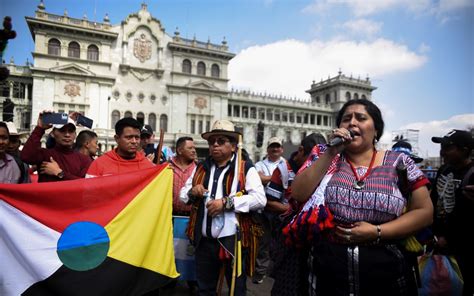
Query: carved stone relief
(142,48)
(200,103)
(72,89)
(141,97)
(129,96)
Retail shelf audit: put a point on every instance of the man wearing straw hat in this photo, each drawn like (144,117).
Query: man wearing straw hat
(223,190)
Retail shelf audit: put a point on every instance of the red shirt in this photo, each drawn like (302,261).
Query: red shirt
(179,179)
(112,164)
(73,164)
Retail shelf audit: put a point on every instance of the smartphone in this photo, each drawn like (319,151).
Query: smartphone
(54,118)
(84,121)
(149,149)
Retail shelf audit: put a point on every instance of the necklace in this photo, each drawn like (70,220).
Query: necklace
(359,182)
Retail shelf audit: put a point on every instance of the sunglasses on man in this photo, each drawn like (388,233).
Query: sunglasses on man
(220,141)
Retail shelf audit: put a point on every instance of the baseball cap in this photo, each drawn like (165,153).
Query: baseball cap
(69,122)
(274,140)
(405,147)
(146,130)
(457,137)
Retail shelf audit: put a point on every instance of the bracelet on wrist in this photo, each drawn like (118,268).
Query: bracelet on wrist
(379,234)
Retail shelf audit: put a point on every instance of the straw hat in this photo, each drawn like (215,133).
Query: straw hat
(222,127)
(12,129)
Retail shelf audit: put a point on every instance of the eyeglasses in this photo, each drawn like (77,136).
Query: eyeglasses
(220,141)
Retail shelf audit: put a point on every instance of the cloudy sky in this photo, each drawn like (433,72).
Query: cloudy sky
(418,53)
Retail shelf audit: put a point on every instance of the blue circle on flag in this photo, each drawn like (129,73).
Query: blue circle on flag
(83,245)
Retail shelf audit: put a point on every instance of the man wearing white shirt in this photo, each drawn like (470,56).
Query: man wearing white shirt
(266,167)
(265,170)
(217,208)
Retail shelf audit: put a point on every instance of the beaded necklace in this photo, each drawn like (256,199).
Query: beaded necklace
(359,182)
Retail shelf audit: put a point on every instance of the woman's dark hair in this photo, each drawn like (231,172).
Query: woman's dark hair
(371,108)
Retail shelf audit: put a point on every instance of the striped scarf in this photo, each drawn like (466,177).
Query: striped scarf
(250,231)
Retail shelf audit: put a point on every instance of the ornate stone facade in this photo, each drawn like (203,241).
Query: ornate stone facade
(136,69)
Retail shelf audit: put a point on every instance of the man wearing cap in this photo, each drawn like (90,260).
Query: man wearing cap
(405,147)
(453,199)
(147,145)
(60,162)
(146,141)
(265,170)
(220,199)
(10,170)
(13,149)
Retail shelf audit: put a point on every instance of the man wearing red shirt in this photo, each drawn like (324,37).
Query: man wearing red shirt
(124,158)
(60,162)
(183,164)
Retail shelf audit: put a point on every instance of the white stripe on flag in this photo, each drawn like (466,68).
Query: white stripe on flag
(27,251)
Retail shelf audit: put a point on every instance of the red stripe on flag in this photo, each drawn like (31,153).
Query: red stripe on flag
(58,204)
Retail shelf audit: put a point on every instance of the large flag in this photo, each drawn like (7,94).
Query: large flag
(109,235)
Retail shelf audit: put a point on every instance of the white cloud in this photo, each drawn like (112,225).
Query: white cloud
(436,128)
(367,7)
(288,66)
(370,7)
(363,27)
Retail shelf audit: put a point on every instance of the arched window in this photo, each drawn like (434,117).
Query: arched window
(92,53)
(115,117)
(363,97)
(54,47)
(187,66)
(348,96)
(141,118)
(74,50)
(327,99)
(201,69)
(215,71)
(164,122)
(356,96)
(128,114)
(152,121)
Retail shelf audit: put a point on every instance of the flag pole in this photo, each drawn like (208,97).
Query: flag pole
(237,265)
(156,160)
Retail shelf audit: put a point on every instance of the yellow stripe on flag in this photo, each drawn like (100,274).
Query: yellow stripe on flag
(142,233)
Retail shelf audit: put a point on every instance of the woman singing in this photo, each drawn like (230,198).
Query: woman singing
(360,187)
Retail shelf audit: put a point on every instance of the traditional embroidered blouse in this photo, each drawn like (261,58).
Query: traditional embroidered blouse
(379,201)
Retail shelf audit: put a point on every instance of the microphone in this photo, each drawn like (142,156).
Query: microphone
(338,140)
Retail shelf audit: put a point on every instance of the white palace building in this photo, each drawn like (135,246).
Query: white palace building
(137,69)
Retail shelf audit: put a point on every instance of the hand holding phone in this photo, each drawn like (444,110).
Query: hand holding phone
(47,119)
(84,121)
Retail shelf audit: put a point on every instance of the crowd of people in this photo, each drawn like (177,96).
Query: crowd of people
(329,220)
